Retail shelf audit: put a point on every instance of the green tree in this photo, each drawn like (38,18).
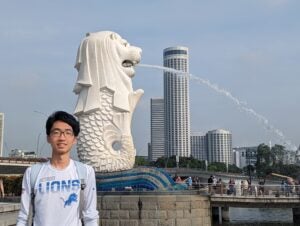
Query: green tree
(184,162)
(141,161)
(234,169)
(191,162)
(277,153)
(264,160)
(163,162)
(217,167)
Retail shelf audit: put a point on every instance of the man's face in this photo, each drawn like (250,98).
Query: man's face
(61,138)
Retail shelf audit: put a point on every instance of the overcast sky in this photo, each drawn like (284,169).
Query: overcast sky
(249,48)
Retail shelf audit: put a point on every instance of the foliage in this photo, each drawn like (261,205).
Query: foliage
(12,185)
(277,154)
(217,167)
(286,170)
(141,161)
(234,169)
(184,162)
(270,160)
(266,159)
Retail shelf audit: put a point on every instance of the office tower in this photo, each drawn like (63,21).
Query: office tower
(198,146)
(219,146)
(176,101)
(244,156)
(1,133)
(157,147)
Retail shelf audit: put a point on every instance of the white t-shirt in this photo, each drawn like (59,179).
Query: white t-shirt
(57,197)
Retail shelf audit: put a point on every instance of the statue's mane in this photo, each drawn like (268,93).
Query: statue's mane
(99,67)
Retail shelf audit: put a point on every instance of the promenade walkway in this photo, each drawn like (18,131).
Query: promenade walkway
(8,213)
(266,201)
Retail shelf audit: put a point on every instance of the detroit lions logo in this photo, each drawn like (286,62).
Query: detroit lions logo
(72,198)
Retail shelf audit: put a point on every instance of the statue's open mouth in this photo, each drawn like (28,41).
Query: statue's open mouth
(129,63)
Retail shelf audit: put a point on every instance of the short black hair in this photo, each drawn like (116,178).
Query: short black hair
(64,117)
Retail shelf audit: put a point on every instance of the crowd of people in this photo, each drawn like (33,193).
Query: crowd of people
(241,188)
(192,183)
(244,187)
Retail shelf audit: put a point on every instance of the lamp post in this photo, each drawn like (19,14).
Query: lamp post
(177,161)
(38,138)
(37,144)
(248,158)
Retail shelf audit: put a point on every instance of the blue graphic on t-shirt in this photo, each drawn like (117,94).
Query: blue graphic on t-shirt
(72,198)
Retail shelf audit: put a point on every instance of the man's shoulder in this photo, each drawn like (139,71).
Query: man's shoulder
(35,166)
(80,166)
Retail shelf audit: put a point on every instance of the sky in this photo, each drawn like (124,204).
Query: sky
(248,49)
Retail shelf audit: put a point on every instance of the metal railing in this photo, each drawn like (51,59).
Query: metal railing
(277,190)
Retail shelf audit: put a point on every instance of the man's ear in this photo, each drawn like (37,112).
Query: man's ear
(75,140)
(48,139)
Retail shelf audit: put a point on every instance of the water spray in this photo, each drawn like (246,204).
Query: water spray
(241,104)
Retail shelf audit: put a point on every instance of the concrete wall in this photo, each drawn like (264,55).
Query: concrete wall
(175,209)
(140,209)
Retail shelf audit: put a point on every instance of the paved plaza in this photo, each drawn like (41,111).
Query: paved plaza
(8,213)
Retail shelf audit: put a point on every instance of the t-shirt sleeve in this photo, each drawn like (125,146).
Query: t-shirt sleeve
(25,199)
(90,213)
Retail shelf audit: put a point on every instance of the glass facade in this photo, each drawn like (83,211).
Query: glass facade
(157,129)
(219,146)
(176,103)
(198,146)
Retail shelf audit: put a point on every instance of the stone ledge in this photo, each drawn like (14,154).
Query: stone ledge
(9,207)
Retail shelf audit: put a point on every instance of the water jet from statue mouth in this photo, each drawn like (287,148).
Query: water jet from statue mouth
(242,105)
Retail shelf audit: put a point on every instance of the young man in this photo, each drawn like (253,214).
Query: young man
(57,186)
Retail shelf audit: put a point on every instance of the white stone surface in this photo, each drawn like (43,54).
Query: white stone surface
(106,101)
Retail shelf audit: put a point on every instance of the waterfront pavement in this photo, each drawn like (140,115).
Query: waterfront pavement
(8,213)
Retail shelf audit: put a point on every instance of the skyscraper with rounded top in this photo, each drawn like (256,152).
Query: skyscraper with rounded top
(176,102)
(219,146)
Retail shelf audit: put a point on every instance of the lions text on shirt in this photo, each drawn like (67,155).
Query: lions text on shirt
(57,197)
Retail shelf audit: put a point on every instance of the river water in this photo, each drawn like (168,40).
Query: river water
(259,216)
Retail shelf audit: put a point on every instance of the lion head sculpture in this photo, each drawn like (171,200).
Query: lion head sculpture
(104,60)
(106,101)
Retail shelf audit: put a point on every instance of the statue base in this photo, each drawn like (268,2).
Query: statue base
(137,179)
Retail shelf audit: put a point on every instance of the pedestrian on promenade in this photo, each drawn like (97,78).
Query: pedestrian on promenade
(189,183)
(220,186)
(2,193)
(283,187)
(178,179)
(231,185)
(196,182)
(210,182)
(214,183)
(60,196)
(244,187)
(261,187)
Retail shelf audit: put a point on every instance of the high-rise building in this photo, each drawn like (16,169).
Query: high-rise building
(1,133)
(219,146)
(176,102)
(198,146)
(157,147)
(244,156)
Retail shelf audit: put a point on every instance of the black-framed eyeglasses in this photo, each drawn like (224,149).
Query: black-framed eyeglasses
(58,133)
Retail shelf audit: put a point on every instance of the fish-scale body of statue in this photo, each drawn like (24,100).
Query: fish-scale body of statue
(106,101)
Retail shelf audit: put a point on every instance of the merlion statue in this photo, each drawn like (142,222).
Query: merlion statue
(106,101)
